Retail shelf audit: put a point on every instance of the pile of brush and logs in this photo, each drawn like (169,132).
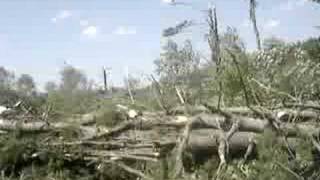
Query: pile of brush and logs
(202,131)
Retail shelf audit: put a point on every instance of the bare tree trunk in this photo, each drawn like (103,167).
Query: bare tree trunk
(129,87)
(214,43)
(159,94)
(181,99)
(130,94)
(252,10)
(105,79)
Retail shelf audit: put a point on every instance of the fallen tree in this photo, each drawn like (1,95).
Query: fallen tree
(152,136)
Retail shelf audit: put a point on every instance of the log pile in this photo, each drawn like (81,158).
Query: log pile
(151,136)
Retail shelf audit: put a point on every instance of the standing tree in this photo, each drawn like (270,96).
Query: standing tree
(175,67)
(74,93)
(131,84)
(252,11)
(26,84)
(51,86)
(214,45)
(232,40)
(6,78)
(72,79)
(7,95)
(273,42)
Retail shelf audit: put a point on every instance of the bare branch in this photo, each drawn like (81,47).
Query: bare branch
(289,170)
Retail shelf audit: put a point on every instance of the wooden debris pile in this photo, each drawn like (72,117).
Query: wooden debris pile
(150,136)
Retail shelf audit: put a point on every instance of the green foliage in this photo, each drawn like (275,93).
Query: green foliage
(227,73)
(176,64)
(108,115)
(148,103)
(79,102)
(274,160)
(74,95)
(6,78)
(178,68)
(291,69)
(69,132)
(24,90)
(110,172)
(15,153)
(273,42)
(312,47)
(26,84)
(8,97)
(72,79)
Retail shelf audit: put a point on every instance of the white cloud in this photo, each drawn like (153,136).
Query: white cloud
(123,30)
(168,1)
(272,23)
(84,22)
(90,31)
(64,14)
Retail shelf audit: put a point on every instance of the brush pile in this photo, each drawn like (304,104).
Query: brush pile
(201,131)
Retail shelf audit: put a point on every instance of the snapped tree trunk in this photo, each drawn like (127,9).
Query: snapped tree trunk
(253,5)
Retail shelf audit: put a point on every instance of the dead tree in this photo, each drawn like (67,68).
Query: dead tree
(252,10)
(214,44)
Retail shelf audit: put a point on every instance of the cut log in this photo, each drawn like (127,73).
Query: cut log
(225,123)
(246,124)
(214,121)
(12,125)
(83,119)
(284,115)
(138,156)
(41,127)
(204,143)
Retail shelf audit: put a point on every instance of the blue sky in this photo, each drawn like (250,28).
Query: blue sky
(38,36)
